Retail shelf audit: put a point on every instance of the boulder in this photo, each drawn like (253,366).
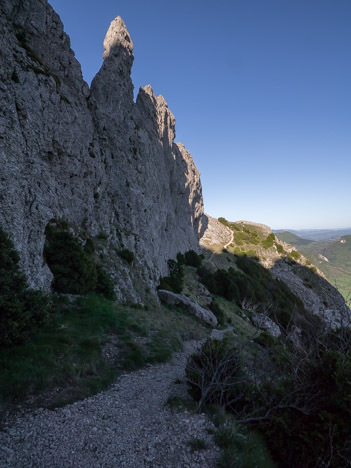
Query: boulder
(184,302)
(263,322)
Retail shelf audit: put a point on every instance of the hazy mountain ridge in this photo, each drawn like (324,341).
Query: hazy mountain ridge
(333,258)
(317,234)
(292,238)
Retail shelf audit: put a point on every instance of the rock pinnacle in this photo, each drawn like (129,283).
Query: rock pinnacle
(117,36)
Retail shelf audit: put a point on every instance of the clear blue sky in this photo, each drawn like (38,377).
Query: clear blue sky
(261,91)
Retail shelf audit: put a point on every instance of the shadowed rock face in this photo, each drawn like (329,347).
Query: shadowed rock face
(91,157)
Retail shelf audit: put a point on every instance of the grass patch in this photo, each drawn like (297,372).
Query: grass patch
(241,448)
(68,353)
(162,346)
(198,444)
(177,403)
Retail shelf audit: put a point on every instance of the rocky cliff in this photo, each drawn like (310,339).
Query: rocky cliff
(94,158)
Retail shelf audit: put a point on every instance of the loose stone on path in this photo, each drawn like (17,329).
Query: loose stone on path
(129,425)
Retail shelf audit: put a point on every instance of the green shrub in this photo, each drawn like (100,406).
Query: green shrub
(180,258)
(321,386)
(198,444)
(104,284)
(192,259)
(246,237)
(22,310)
(223,221)
(265,339)
(218,312)
(89,247)
(254,282)
(14,76)
(241,448)
(73,267)
(173,282)
(294,255)
(127,255)
(268,242)
(222,283)
(74,271)
(280,249)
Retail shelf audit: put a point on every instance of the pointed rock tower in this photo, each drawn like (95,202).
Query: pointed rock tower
(95,159)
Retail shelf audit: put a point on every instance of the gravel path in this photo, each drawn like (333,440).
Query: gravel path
(231,240)
(125,426)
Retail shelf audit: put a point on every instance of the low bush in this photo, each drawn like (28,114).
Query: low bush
(280,248)
(215,375)
(312,428)
(74,271)
(218,312)
(253,282)
(223,221)
(265,339)
(173,282)
(104,284)
(73,267)
(126,255)
(268,242)
(246,237)
(22,310)
(299,399)
(241,448)
(222,283)
(294,255)
(192,259)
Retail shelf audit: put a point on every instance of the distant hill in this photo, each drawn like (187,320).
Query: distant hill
(333,258)
(317,234)
(292,238)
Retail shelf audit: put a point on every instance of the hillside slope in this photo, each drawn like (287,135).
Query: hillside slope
(286,263)
(332,258)
(317,235)
(291,238)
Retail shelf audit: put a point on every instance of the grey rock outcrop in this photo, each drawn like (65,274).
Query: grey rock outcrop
(263,322)
(171,298)
(320,299)
(92,157)
(215,233)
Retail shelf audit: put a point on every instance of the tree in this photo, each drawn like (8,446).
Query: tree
(22,310)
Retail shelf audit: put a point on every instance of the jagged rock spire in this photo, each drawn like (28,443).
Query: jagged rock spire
(117,36)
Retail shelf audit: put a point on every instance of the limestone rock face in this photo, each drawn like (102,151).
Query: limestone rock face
(92,157)
(215,233)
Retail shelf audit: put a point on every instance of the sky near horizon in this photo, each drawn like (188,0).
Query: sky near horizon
(261,92)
